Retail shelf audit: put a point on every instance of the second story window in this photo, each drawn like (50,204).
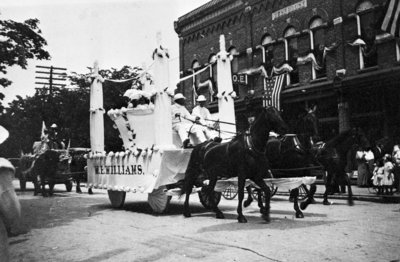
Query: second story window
(291,54)
(317,44)
(268,59)
(367,24)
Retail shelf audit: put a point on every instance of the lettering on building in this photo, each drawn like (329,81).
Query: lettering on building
(289,9)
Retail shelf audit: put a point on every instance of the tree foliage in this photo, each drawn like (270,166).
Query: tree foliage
(20,42)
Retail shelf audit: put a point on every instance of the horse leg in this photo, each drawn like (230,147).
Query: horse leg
(241,183)
(267,195)
(43,185)
(295,191)
(51,188)
(36,185)
(211,186)
(310,197)
(90,192)
(188,186)
(260,200)
(249,197)
(78,186)
(350,192)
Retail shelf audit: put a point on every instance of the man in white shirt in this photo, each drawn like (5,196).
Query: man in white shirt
(184,123)
(204,116)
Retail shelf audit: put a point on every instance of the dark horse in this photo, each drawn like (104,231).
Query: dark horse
(288,158)
(243,157)
(45,169)
(333,156)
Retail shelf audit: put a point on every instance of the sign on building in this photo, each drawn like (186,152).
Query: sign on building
(289,9)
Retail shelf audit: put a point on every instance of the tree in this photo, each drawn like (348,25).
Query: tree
(19,42)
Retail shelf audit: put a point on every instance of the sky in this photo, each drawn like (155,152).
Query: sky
(113,32)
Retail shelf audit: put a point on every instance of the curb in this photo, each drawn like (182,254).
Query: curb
(369,198)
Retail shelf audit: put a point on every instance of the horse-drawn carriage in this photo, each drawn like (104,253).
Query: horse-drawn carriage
(51,167)
(152,164)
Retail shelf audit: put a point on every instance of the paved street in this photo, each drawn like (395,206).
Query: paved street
(82,227)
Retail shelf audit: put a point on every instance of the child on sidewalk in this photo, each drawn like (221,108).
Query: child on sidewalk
(378,176)
(388,176)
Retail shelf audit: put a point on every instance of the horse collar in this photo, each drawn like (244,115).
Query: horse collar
(250,145)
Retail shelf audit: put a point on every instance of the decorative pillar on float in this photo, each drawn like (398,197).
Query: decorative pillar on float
(225,95)
(96,111)
(162,104)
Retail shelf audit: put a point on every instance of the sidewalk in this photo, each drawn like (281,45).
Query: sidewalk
(359,194)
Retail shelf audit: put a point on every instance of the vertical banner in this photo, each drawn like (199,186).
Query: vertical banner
(96,112)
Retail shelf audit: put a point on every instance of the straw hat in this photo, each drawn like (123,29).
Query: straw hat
(3,134)
(201,98)
(178,96)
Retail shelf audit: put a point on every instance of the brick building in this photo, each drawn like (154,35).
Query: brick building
(331,52)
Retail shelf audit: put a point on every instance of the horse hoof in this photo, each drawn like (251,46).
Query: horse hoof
(242,219)
(266,217)
(351,203)
(313,201)
(299,215)
(90,192)
(291,199)
(187,214)
(220,216)
(247,203)
(327,203)
(262,210)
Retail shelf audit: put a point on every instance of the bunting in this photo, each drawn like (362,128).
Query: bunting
(391,19)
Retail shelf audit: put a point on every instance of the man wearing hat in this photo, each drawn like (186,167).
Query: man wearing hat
(204,116)
(10,209)
(183,122)
(55,142)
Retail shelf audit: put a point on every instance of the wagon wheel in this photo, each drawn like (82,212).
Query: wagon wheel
(273,189)
(68,186)
(230,192)
(159,200)
(303,192)
(205,197)
(117,198)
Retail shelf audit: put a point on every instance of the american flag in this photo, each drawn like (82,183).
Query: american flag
(272,91)
(391,20)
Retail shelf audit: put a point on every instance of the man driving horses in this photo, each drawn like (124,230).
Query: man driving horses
(184,123)
(204,114)
(55,142)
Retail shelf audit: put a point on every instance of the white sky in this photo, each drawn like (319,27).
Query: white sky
(113,32)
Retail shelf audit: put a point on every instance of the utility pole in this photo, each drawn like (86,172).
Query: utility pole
(55,77)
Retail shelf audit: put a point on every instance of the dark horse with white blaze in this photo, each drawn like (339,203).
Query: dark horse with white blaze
(243,157)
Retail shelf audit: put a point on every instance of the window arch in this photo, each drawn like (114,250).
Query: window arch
(365,5)
(195,64)
(291,53)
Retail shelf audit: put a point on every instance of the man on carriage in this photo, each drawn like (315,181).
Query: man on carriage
(186,124)
(54,141)
(205,118)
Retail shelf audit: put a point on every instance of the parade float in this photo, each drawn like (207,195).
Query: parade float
(153,160)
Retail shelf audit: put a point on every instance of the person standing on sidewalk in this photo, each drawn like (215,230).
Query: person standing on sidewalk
(396,170)
(10,209)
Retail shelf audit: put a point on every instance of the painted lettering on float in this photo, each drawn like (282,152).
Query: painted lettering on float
(119,170)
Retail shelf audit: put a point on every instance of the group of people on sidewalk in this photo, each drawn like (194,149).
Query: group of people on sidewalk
(379,170)
(196,127)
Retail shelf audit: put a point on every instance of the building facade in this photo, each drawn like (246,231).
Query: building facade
(331,53)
